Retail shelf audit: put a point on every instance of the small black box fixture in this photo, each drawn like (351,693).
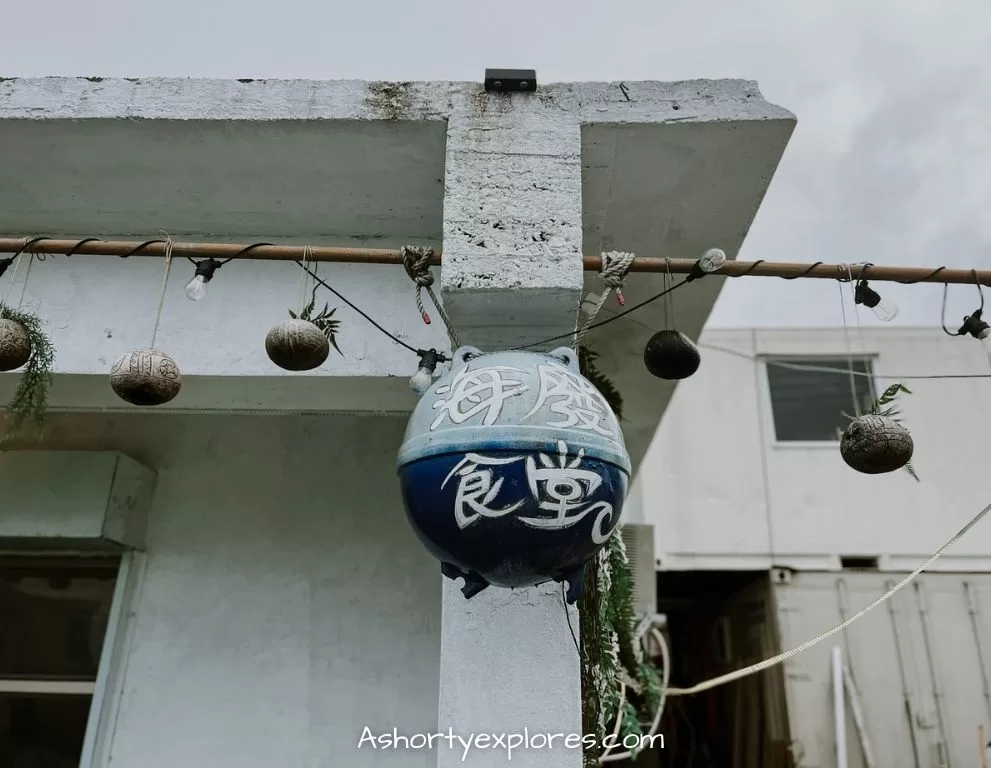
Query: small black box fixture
(510,80)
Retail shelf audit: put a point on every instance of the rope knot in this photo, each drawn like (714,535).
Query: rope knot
(416,262)
(615,267)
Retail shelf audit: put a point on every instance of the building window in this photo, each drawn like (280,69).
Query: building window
(808,405)
(55,615)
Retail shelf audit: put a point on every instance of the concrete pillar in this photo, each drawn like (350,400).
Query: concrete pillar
(512,275)
(512,269)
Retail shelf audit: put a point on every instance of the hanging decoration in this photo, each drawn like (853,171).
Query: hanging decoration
(148,377)
(669,354)
(24,345)
(877,442)
(15,343)
(303,342)
(513,470)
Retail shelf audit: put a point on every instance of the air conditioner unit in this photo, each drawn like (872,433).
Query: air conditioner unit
(639,542)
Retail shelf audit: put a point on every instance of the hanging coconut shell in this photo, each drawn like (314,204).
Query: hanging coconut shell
(297,345)
(15,345)
(671,355)
(146,377)
(875,444)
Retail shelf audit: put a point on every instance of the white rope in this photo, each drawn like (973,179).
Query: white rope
(13,275)
(767,663)
(165,285)
(304,278)
(615,267)
(846,341)
(27,276)
(416,262)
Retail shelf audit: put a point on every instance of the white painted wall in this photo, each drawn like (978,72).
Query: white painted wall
(723,494)
(285,602)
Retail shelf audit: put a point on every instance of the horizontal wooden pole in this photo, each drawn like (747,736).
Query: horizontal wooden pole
(786,270)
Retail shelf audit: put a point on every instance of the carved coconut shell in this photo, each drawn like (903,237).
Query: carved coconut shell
(146,377)
(15,345)
(875,444)
(671,355)
(297,345)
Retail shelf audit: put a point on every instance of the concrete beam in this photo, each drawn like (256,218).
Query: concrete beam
(512,270)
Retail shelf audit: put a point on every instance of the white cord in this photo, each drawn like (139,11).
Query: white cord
(761,666)
(165,285)
(304,279)
(615,267)
(13,276)
(608,756)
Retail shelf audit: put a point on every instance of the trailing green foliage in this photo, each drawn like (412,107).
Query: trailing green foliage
(610,646)
(324,320)
(586,363)
(31,398)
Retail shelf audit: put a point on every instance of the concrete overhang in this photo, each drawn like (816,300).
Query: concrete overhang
(673,187)
(668,169)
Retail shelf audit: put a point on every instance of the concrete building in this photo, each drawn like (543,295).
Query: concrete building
(764,538)
(229,579)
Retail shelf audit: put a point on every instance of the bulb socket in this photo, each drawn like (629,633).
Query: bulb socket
(429,358)
(207,267)
(864,294)
(974,325)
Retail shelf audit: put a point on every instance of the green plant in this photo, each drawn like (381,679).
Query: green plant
(612,654)
(30,401)
(610,646)
(586,363)
(324,320)
(887,405)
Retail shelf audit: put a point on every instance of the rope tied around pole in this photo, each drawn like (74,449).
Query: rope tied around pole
(616,266)
(416,262)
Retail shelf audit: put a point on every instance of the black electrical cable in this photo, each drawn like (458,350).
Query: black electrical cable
(400,342)
(610,319)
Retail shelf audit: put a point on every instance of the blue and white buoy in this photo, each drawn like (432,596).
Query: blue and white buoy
(514,470)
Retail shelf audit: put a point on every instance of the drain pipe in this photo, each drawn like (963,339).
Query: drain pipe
(839,709)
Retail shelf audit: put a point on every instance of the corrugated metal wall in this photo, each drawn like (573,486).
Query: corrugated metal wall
(920,662)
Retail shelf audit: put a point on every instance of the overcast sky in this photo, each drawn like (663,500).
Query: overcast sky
(890,162)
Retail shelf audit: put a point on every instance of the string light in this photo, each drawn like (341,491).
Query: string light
(421,380)
(975,326)
(883,310)
(205,269)
(712,261)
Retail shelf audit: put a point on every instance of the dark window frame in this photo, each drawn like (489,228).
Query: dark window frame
(32,695)
(830,384)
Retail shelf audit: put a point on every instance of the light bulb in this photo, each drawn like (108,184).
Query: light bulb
(424,376)
(712,260)
(421,380)
(196,288)
(883,310)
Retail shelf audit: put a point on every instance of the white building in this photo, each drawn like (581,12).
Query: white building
(230,580)
(764,538)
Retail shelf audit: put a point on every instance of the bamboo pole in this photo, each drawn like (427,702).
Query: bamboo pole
(265,252)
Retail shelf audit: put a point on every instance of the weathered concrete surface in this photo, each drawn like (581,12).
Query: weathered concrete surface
(502,180)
